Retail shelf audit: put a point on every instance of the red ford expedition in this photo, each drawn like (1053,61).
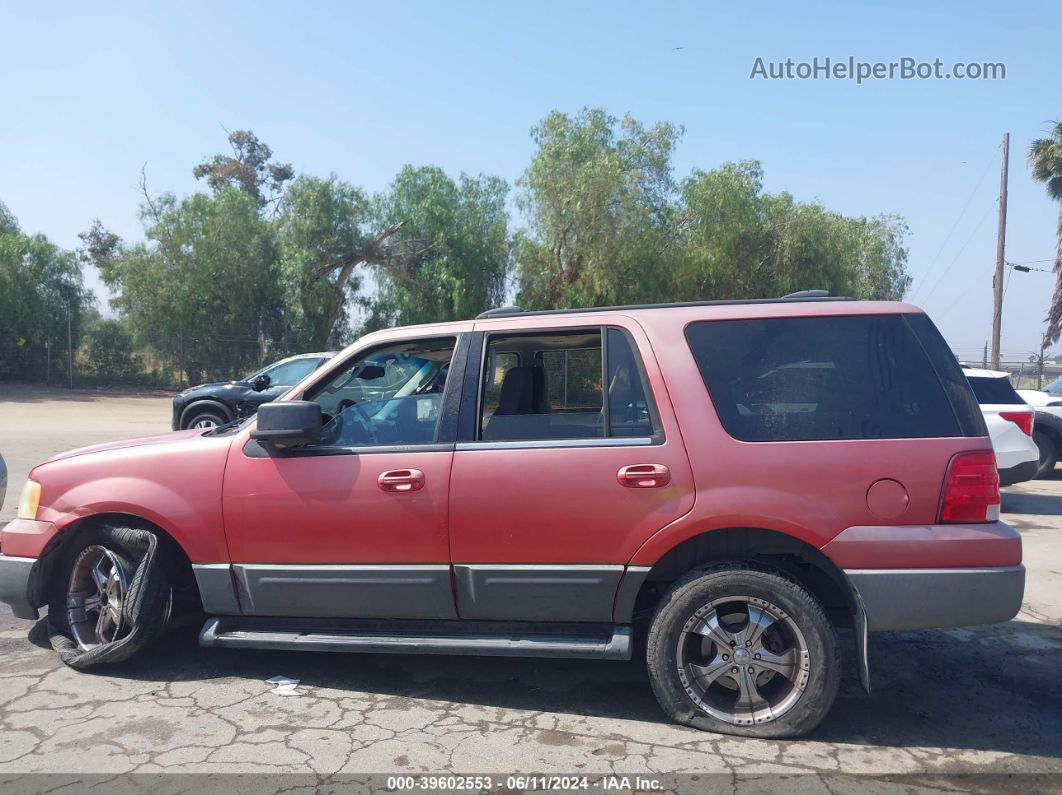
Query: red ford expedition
(736,480)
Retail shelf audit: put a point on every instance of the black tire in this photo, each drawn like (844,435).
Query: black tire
(142,557)
(209,414)
(1048,454)
(698,589)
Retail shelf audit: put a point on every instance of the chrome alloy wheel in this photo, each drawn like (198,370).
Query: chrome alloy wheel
(743,660)
(205,422)
(98,586)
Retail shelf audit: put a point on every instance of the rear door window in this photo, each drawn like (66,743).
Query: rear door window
(819,378)
(565,384)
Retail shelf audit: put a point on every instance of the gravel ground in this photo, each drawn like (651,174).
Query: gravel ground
(969,701)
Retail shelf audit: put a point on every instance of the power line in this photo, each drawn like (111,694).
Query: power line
(954,226)
(974,231)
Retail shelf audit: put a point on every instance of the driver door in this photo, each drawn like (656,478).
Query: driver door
(355,526)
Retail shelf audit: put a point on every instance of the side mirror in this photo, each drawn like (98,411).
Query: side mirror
(260,382)
(289,423)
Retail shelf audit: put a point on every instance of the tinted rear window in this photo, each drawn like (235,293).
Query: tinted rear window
(814,378)
(994,390)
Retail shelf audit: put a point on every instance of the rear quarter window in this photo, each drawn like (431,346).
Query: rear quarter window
(825,378)
(996,391)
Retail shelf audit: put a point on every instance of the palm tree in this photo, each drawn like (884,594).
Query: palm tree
(1045,161)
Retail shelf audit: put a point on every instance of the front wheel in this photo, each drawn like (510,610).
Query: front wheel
(741,649)
(111,596)
(205,419)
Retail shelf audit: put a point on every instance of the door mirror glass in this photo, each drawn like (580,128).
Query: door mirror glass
(260,382)
(288,424)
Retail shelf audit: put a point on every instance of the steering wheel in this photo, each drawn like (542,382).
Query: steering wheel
(366,418)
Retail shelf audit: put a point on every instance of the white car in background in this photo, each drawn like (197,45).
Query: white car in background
(1010,424)
(1047,432)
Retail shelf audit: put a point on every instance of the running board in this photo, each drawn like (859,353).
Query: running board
(492,639)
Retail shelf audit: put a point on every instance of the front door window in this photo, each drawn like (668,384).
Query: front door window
(390,396)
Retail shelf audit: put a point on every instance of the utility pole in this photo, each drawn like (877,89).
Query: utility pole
(1001,245)
(69,351)
(984,357)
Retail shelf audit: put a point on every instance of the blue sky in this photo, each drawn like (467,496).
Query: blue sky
(93,92)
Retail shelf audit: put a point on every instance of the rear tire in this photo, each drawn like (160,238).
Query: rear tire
(773,675)
(1048,454)
(111,595)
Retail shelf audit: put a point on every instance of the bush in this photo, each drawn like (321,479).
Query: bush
(107,353)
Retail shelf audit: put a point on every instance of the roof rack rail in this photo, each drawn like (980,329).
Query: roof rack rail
(501,311)
(807,294)
(802,295)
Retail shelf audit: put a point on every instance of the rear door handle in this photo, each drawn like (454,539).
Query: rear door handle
(400,480)
(644,476)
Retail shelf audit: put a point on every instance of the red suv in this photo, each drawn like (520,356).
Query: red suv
(731,480)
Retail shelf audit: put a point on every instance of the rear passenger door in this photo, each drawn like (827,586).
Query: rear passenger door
(568,458)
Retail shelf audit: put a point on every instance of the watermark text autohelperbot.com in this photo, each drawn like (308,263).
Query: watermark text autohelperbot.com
(905,68)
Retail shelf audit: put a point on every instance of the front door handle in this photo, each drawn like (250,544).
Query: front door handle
(644,476)
(399,480)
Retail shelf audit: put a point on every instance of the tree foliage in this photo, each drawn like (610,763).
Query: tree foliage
(269,263)
(40,290)
(610,225)
(599,199)
(453,244)
(319,224)
(1045,162)
(248,168)
(202,288)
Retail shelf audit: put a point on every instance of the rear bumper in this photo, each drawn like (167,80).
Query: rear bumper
(1018,474)
(15,576)
(925,598)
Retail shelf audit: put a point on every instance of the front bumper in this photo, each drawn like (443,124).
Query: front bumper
(925,598)
(15,577)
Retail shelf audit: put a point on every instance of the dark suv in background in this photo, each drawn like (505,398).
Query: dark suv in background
(209,405)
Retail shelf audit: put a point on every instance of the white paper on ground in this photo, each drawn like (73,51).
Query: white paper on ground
(285,686)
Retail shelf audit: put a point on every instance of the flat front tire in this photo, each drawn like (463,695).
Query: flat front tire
(738,648)
(111,596)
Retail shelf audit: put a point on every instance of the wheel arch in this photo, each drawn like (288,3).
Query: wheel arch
(47,570)
(793,556)
(204,403)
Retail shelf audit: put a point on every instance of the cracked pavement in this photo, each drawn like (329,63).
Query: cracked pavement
(975,700)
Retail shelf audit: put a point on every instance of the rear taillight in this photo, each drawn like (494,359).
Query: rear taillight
(1023,419)
(971,489)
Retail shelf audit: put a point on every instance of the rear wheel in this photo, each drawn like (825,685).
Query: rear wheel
(111,597)
(740,649)
(1048,454)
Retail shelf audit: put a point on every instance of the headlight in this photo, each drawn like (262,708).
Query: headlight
(30,500)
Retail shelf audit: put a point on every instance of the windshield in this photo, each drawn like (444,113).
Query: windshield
(1055,387)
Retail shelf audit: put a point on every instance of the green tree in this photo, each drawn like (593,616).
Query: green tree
(450,247)
(1045,161)
(202,290)
(320,225)
(598,197)
(41,290)
(107,352)
(610,225)
(248,168)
